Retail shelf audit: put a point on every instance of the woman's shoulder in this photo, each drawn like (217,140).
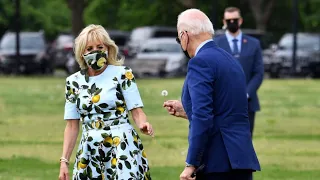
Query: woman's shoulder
(74,77)
(120,70)
(120,67)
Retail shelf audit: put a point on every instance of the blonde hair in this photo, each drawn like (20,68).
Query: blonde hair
(96,33)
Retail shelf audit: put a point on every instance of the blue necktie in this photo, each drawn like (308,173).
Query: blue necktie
(235,47)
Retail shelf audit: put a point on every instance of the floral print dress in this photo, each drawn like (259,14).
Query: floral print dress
(109,148)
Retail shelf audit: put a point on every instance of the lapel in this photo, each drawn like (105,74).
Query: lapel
(244,45)
(225,44)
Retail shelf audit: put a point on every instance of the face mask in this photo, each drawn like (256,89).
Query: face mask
(185,53)
(233,26)
(96,59)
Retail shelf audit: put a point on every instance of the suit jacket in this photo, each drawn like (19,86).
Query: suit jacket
(252,64)
(214,98)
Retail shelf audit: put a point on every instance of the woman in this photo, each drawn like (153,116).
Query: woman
(100,96)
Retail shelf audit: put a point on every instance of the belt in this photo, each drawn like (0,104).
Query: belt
(104,124)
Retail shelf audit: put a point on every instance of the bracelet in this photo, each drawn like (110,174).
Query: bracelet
(62,159)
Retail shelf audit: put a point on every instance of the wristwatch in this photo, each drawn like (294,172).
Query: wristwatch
(189,165)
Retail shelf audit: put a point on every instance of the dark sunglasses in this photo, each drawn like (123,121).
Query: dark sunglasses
(233,20)
(177,38)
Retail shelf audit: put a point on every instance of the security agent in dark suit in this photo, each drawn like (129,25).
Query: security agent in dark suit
(247,51)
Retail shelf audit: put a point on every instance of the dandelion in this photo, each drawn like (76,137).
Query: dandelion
(164,93)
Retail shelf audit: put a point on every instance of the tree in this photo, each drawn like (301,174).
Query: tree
(36,15)
(188,3)
(6,15)
(77,8)
(310,14)
(261,15)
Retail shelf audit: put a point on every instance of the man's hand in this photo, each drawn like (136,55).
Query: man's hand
(186,174)
(174,107)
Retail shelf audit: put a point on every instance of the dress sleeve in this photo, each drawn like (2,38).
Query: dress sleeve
(70,108)
(129,89)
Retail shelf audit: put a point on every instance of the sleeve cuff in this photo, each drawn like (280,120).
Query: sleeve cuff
(193,157)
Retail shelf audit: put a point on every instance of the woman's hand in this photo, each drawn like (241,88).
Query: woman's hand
(64,171)
(140,119)
(146,128)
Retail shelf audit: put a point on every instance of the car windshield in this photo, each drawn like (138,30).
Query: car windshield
(304,42)
(28,42)
(161,47)
(64,39)
(140,34)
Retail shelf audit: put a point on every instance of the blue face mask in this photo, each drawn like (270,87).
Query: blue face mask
(96,59)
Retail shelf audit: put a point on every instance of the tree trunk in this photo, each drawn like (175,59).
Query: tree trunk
(77,9)
(261,14)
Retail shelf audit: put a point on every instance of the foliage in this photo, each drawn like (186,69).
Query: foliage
(310,14)
(54,16)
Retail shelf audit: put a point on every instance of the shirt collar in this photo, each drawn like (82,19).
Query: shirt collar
(230,37)
(201,45)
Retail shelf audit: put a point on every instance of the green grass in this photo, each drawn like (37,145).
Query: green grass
(287,131)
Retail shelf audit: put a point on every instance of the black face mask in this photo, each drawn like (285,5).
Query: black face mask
(184,51)
(233,26)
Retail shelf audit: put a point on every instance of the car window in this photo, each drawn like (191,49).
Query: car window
(161,47)
(304,42)
(26,42)
(119,40)
(63,39)
(140,34)
(164,34)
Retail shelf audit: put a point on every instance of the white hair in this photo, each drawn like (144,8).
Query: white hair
(195,22)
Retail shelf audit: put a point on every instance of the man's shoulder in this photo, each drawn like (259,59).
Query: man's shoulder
(219,37)
(210,54)
(250,39)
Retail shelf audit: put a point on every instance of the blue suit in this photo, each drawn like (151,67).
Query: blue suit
(214,98)
(250,59)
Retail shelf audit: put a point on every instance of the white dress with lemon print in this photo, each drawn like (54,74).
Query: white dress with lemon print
(109,148)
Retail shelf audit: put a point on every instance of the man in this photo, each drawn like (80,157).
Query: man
(215,103)
(247,51)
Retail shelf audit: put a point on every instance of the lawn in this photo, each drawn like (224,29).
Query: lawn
(287,131)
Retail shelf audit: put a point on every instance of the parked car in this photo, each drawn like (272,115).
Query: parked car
(33,54)
(60,50)
(139,35)
(307,55)
(120,38)
(159,57)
